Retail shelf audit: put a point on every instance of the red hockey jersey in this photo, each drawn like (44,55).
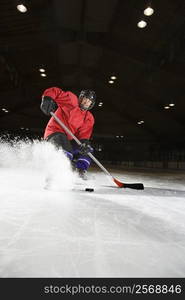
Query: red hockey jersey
(80,122)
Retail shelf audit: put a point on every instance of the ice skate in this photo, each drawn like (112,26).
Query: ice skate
(82,174)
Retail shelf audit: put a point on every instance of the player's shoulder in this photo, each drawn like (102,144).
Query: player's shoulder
(64,92)
(73,98)
(71,94)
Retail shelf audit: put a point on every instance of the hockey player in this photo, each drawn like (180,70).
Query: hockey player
(74,112)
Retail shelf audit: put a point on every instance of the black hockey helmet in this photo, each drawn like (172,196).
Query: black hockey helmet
(91,95)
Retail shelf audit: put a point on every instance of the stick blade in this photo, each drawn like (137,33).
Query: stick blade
(135,186)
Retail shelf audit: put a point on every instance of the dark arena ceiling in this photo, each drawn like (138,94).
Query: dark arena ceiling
(81,44)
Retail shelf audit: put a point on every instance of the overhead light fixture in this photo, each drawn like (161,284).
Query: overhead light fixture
(111,81)
(113,77)
(22,8)
(148,11)
(100,104)
(42,70)
(5,110)
(141,24)
(166,107)
(43,75)
(140,122)
(171,104)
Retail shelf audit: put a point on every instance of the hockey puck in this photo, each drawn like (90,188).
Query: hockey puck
(89,190)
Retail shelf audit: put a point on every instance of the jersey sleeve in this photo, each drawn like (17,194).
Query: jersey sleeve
(61,97)
(53,92)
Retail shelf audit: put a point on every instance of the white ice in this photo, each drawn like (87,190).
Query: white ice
(67,232)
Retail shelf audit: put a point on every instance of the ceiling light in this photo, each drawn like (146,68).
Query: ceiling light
(43,75)
(100,104)
(140,122)
(141,24)
(148,11)
(172,104)
(5,110)
(42,70)
(111,81)
(22,8)
(113,77)
(166,107)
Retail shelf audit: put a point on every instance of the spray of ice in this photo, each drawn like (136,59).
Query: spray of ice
(36,161)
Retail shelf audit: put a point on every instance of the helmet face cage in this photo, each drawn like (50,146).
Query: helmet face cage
(91,95)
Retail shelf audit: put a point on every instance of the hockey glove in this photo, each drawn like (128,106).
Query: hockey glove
(85,149)
(48,105)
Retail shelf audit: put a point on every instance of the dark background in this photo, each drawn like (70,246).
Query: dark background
(81,44)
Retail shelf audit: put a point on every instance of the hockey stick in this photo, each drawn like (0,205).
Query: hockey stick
(136,186)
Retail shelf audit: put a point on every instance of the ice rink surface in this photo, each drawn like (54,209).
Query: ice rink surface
(67,232)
